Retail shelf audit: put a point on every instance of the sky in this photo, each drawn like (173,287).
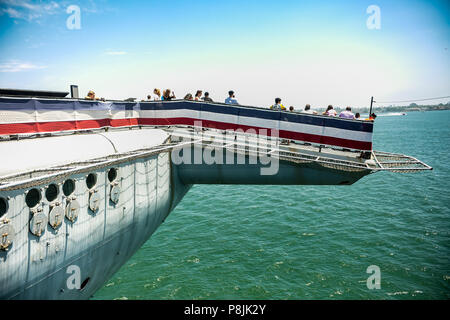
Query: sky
(316,52)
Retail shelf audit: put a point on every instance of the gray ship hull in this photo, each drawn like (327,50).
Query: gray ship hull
(96,243)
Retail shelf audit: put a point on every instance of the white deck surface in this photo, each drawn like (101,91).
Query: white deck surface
(38,153)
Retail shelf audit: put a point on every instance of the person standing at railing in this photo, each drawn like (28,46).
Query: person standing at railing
(207,98)
(308,110)
(198,95)
(167,96)
(231,99)
(157,94)
(91,96)
(347,114)
(278,105)
(330,111)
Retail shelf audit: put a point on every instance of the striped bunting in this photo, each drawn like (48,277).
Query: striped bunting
(20,115)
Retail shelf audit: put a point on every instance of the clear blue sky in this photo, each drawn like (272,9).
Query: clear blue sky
(317,52)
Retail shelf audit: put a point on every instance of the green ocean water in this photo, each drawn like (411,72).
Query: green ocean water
(309,242)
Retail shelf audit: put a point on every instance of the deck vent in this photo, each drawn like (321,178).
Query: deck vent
(74,92)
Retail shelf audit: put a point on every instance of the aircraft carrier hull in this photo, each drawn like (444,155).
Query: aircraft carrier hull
(77,258)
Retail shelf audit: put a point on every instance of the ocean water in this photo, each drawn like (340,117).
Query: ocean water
(309,242)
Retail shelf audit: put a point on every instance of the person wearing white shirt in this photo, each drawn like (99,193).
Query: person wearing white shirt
(347,114)
(330,111)
(308,110)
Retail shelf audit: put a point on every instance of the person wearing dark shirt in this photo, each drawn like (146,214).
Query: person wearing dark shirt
(167,96)
(207,98)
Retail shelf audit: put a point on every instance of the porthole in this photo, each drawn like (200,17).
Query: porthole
(68,187)
(84,283)
(112,174)
(3,206)
(52,192)
(91,180)
(33,197)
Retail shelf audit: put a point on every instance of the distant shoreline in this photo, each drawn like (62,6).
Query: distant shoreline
(390,109)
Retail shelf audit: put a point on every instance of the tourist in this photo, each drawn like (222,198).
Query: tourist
(357,116)
(291,108)
(188,97)
(347,114)
(371,117)
(277,105)
(308,110)
(207,98)
(149,98)
(167,96)
(231,99)
(330,111)
(198,95)
(157,94)
(91,96)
